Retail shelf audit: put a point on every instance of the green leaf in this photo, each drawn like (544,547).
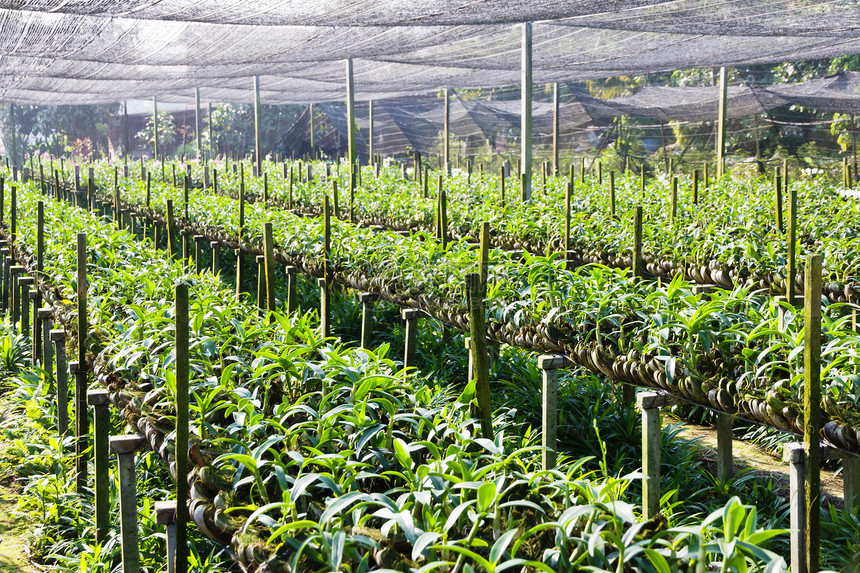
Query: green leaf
(486,496)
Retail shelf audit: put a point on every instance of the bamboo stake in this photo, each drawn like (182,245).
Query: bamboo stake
(637,242)
(480,358)
(567,246)
(612,193)
(325,292)
(171,230)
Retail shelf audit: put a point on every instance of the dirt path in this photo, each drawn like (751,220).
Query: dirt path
(13,545)
(749,456)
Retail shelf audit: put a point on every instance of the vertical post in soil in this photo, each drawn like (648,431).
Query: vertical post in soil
(612,193)
(502,187)
(99,400)
(155,129)
(258,153)
(241,232)
(567,246)
(58,337)
(124,448)
(443,212)
(181,561)
(91,195)
(40,265)
(795,455)
(13,213)
(325,283)
(261,282)
(165,514)
(370,155)
(480,357)
(81,421)
(269,245)
(637,242)
(549,365)
(812,406)
(792,246)
(555,166)
(45,314)
(15,305)
(695,186)
(650,404)
(198,253)
(171,229)
(446,133)
(410,315)
(350,117)
(724,447)
(292,288)
(721,123)
(366,299)
(851,481)
(24,283)
(216,257)
(674,198)
(526,119)
(777,190)
(197,125)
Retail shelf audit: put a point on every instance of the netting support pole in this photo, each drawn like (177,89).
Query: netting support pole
(14,137)
(127,148)
(555,168)
(313,133)
(211,140)
(197,125)
(370,135)
(258,159)
(721,123)
(446,134)
(350,116)
(155,127)
(526,119)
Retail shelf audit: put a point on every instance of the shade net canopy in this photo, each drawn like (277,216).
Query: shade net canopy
(102,51)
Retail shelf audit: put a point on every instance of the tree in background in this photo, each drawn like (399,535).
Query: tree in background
(166,131)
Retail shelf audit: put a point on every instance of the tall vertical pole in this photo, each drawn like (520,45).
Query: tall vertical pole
(127,147)
(197,124)
(721,123)
(155,127)
(445,141)
(812,407)
(555,168)
(258,149)
(81,419)
(526,118)
(370,136)
(313,130)
(350,117)
(211,140)
(14,136)
(181,325)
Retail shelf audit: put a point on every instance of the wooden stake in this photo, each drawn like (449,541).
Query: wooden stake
(674,198)
(812,407)
(325,283)
(777,190)
(792,246)
(721,123)
(549,365)
(695,187)
(612,193)
(100,401)
(650,403)
(124,448)
(171,230)
(410,315)
(182,373)
(269,254)
(637,242)
(567,246)
(81,420)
